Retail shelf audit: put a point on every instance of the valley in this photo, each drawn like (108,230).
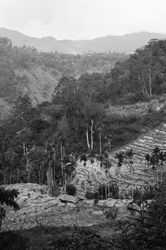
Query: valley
(82,148)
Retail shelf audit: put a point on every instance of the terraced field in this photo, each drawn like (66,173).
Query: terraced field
(38,207)
(90,176)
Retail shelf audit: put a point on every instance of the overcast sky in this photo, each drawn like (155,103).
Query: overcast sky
(82,19)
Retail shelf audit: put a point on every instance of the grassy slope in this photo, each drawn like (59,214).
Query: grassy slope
(125,125)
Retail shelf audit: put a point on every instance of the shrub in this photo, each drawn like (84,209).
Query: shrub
(149,192)
(91,195)
(103,191)
(81,238)
(71,189)
(92,161)
(114,190)
(136,193)
(83,184)
(83,158)
(7,197)
(149,229)
(95,202)
(111,213)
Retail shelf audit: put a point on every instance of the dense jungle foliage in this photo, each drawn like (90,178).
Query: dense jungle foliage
(13,59)
(36,141)
(77,117)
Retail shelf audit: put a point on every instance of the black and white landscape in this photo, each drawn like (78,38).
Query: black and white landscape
(119,44)
(82,124)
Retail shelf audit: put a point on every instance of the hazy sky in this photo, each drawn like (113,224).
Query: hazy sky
(82,19)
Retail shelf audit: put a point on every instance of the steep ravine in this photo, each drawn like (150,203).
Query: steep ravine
(39,86)
(36,82)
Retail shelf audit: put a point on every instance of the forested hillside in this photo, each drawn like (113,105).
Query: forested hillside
(143,75)
(82,110)
(71,140)
(25,71)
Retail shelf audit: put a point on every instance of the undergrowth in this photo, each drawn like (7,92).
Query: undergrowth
(146,230)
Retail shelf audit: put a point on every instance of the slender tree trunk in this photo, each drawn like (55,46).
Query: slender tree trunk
(10,176)
(100,143)
(161,176)
(43,171)
(52,179)
(65,181)
(29,171)
(49,178)
(61,151)
(87,137)
(105,191)
(40,174)
(53,173)
(18,174)
(132,192)
(157,179)
(150,82)
(92,123)
(5,176)
(144,89)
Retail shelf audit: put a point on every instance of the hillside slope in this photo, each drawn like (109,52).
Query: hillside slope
(26,71)
(144,145)
(90,176)
(36,82)
(39,86)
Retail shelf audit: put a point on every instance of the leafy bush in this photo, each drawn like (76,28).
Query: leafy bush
(149,192)
(148,229)
(91,195)
(95,202)
(71,189)
(81,239)
(92,161)
(7,197)
(137,194)
(83,158)
(103,191)
(111,213)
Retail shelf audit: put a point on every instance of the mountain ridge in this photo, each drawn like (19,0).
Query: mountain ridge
(127,43)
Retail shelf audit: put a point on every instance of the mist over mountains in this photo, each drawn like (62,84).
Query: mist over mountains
(122,44)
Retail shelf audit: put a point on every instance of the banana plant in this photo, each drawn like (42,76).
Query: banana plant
(7,197)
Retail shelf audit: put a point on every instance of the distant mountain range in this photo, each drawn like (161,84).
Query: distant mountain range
(126,43)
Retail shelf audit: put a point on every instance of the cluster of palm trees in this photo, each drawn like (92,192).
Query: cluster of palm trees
(156,160)
(41,164)
(60,167)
